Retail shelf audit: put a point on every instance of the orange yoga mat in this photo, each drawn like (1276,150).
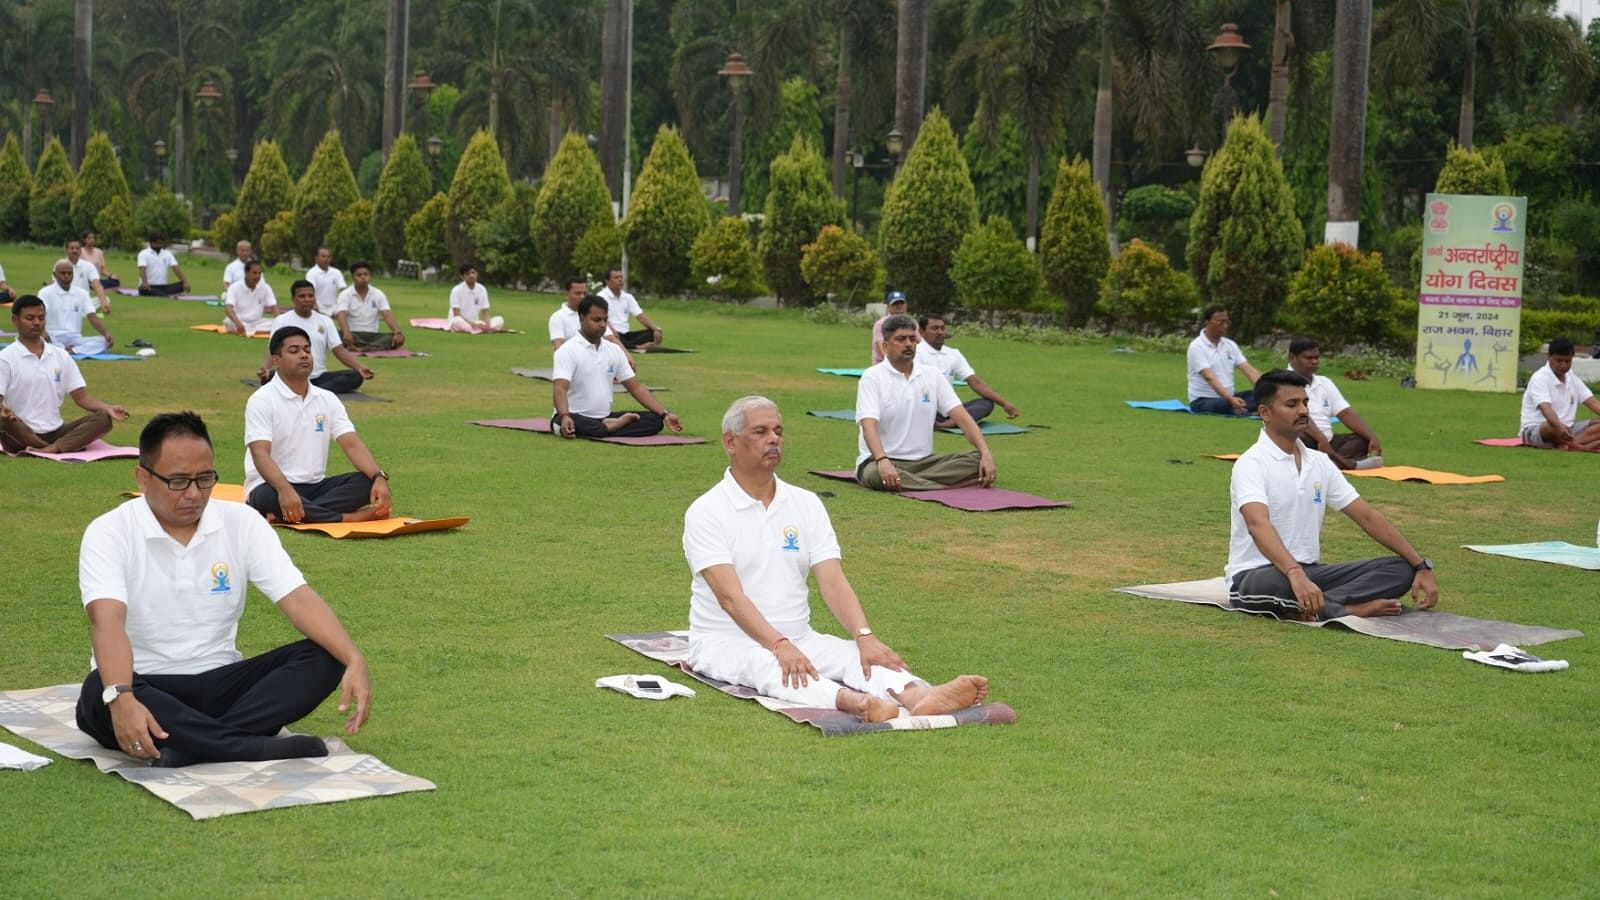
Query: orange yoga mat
(1403,473)
(391,527)
(218,329)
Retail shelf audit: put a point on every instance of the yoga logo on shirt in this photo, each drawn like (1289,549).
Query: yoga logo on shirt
(1316,496)
(321,420)
(791,539)
(925,397)
(58,375)
(219,579)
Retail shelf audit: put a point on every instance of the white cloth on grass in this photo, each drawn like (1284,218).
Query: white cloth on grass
(1506,656)
(17,758)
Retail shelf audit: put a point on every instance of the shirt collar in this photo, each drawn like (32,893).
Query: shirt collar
(740,499)
(1272,450)
(150,529)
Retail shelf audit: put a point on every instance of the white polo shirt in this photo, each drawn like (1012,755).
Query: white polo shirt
(950,362)
(64,311)
(1564,397)
(619,309)
(183,602)
(299,429)
(592,369)
(470,301)
(233,273)
(771,548)
(1323,402)
(156,265)
(905,408)
(564,324)
(363,311)
(328,283)
(323,333)
(1295,499)
(250,305)
(35,386)
(1221,358)
(84,275)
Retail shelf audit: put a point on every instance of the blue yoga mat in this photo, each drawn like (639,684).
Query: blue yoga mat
(857,373)
(105,357)
(1177,406)
(1559,552)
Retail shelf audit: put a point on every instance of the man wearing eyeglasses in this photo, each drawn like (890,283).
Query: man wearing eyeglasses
(288,425)
(163,579)
(35,377)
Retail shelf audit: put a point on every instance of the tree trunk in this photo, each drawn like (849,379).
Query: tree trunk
(841,108)
(494,104)
(736,154)
(1469,83)
(178,135)
(394,72)
(1278,96)
(1103,110)
(1033,196)
(911,69)
(1347,130)
(616,41)
(555,127)
(82,69)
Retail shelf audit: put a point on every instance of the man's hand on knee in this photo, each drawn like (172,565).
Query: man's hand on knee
(797,667)
(136,728)
(876,653)
(1306,594)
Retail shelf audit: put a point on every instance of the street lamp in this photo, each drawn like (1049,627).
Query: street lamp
(736,71)
(232,153)
(435,147)
(896,143)
(420,87)
(208,92)
(858,161)
(44,101)
(161,159)
(1227,48)
(1196,156)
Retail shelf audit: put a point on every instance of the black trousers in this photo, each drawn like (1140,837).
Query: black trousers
(326,501)
(109,283)
(649,423)
(977,408)
(339,381)
(632,339)
(1267,590)
(224,714)
(160,290)
(1348,445)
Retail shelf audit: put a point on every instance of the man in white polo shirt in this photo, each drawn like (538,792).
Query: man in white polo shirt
(1212,358)
(66,307)
(234,271)
(328,281)
(585,369)
(751,541)
(6,293)
(324,336)
(1550,404)
(623,305)
(469,304)
(288,425)
(1279,491)
(86,276)
(1359,449)
(933,352)
(157,267)
(163,579)
(35,377)
(249,304)
(361,306)
(897,402)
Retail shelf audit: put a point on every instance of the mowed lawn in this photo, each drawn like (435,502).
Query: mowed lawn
(1159,749)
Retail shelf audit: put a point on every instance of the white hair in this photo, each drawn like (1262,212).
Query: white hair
(63,261)
(733,421)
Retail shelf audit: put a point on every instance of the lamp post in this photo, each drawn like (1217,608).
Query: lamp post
(858,161)
(1227,48)
(736,71)
(1196,156)
(160,147)
(897,145)
(42,102)
(205,99)
(420,87)
(232,153)
(435,147)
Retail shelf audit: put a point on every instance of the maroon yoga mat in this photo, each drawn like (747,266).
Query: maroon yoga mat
(542,426)
(969,499)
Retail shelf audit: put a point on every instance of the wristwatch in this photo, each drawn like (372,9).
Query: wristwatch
(1424,563)
(114,691)
(863,631)
(380,474)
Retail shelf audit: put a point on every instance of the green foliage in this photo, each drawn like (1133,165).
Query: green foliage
(327,188)
(267,191)
(993,270)
(226,233)
(425,232)
(573,199)
(1073,243)
(1245,241)
(799,114)
(369,171)
(666,213)
(598,251)
(1402,255)
(722,262)
(1144,294)
(999,168)
(1550,263)
(481,184)
(100,181)
(1469,171)
(350,238)
(1540,325)
(161,212)
(799,204)
(403,187)
(279,241)
(49,209)
(930,207)
(1537,162)
(1577,222)
(506,255)
(841,265)
(1343,296)
(15,186)
(113,225)
(1159,216)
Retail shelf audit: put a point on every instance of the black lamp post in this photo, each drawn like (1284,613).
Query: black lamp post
(1228,48)
(435,147)
(736,71)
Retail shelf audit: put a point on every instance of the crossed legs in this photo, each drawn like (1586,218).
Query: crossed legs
(73,436)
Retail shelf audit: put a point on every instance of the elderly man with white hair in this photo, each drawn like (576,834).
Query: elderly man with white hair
(751,542)
(66,306)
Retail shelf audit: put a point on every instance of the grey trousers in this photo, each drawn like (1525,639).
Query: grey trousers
(977,408)
(927,474)
(373,340)
(1267,590)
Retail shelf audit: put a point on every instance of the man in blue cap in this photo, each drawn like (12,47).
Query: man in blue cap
(897,306)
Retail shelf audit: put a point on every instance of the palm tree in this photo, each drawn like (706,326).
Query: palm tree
(911,68)
(862,47)
(82,62)
(1348,129)
(397,38)
(328,76)
(187,41)
(35,42)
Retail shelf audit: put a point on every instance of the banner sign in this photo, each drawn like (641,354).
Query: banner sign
(1469,308)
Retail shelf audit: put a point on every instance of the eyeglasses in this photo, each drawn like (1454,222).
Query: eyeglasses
(205,481)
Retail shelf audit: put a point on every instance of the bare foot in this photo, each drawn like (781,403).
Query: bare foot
(366,514)
(50,448)
(867,707)
(957,693)
(1373,608)
(618,422)
(271,518)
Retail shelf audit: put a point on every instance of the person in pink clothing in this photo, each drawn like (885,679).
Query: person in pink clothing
(897,306)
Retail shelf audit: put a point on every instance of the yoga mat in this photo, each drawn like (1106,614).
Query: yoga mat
(347,396)
(672,648)
(987,427)
(847,415)
(542,426)
(1517,442)
(390,354)
(1416,626)
(218,329)
(550,375)
(1402,473)
(1559,552)
(47,717)
(390,527)
(663,350)
(857,373)
(444,325)
(192,298)
(968,499)
(94,452)
(1179,406)
(106,357)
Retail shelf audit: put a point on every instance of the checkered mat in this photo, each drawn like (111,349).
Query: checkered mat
(46,716)
(672,648)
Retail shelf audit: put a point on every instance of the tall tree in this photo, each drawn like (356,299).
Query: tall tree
(861,51)
(186,41)
(327,63)
(1278,98)
(911,68)
(1103,107)
(35,49)
(1352,45)
(82,69)
(616,67)
(397,39)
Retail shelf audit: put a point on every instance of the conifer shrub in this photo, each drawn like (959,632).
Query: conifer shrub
(279,240)
(113,225)
(506,254)
(327,188)
(161,212)
(572,199)
(267,191)
(100,180)
(930,206)
(597,252)
(425,233)
(1470,171)
(799,205)
(667,212)
(349,238)
(1342,296)
(481,183)
(993,271)
(50,201)
(403,187)
(799,112)
(1073,244)
(722,262)
(16,183)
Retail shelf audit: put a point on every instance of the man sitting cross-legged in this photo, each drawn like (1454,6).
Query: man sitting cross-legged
(585,369)
(288,424)
(896,405)
(1211,360)
(1324,403)
(157,266)
(35,376)
(324,335)
(361,305)
(249,303)
(163,578)
(952,363)
(1550,404)
(751,542)
(1278,493)
(66,306)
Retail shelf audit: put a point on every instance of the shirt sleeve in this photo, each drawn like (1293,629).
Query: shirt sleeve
(563,366)
(102,563)
(380,300)
(1247,484)
(1197,359)
(269,567)
(948,400)
(257,420)
(962,369)
(1580,391)
(228,297)
(71,377)
(341,420)
(455,299)
(705,543)
(1339,493)
(1336,402)
(1539,389)
(624,367)
(555,326)
(1238,354)
(824,543)
(867,405)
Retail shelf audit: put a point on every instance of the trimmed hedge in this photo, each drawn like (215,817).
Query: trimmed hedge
(1541,325)
(573,199)
(929,208)
(666,213)
(327,188)
(267,191)
(403,187)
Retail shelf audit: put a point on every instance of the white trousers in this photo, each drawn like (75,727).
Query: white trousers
(78,344)
(740,660)
(252,326)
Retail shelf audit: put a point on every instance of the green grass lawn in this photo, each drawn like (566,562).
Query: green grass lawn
(1160,748)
